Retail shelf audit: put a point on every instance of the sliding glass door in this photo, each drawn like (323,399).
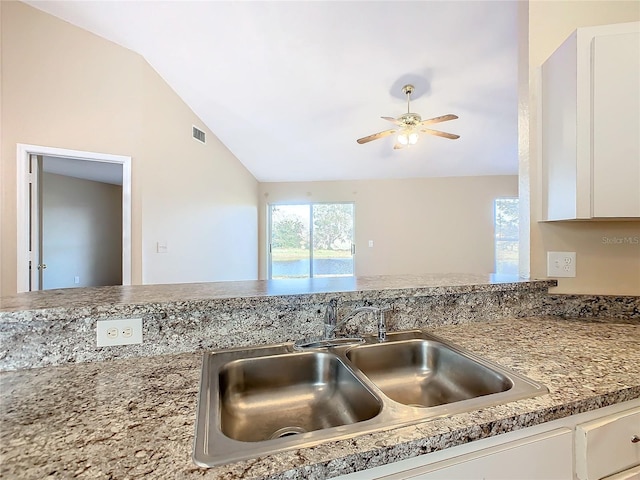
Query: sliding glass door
(311,240)
(290,244)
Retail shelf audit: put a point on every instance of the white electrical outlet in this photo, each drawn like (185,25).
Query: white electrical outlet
(126,331)
(561,264)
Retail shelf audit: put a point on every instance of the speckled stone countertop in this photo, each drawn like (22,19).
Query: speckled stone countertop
(134,418)
(55,327)
(389,286)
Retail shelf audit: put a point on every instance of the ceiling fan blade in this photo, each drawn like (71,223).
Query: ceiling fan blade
(392,120)
(442,118)
(398,146)
(376,136)
(452,136)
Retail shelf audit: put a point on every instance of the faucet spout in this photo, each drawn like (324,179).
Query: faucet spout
(331,323)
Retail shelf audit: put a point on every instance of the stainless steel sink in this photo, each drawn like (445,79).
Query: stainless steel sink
(426,373)
(272,397)
(263,400)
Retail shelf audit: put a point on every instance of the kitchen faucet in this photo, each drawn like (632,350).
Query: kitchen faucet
(331,323)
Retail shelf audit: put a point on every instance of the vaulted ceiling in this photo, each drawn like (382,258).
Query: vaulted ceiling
(288,86)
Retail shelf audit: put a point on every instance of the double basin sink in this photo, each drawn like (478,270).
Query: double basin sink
(264,400)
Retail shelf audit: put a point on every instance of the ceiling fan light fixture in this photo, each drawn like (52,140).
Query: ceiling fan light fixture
(408,137)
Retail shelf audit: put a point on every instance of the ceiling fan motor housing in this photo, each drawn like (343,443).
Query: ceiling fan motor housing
(410,119)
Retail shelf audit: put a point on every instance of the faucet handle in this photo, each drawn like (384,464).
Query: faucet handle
(330,318)
(382,325)
(331,312)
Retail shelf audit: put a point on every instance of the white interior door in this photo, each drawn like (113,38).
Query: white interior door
(36,263)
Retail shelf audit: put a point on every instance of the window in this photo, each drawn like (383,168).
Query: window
(311,240)
(506,215)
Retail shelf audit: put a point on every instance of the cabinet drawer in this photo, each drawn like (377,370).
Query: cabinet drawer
(631,474)
(604,446)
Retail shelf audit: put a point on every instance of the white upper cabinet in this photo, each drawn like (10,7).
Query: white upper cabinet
(591,125)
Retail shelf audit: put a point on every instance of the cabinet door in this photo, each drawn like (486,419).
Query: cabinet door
(604,446)
(616,125)
(545,456)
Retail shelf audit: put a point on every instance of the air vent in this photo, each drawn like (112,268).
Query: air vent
(198,135)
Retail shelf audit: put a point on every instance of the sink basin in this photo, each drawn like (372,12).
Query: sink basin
(426,373)
(263,400)
(275,396)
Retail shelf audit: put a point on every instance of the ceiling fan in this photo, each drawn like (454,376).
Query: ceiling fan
(409,126)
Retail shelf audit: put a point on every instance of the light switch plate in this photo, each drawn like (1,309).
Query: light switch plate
(561,264)
(125,331)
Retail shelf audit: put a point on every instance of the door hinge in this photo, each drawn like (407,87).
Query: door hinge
(353,249)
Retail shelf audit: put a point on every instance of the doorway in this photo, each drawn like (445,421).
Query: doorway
(69,232)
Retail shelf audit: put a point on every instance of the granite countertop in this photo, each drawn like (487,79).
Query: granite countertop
(254,290)
(130,418)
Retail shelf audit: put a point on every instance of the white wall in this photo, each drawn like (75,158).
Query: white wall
(82,232)
(65,87)
(428,225)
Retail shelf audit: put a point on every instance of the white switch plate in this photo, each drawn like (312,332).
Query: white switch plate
(561,264)
(126,331)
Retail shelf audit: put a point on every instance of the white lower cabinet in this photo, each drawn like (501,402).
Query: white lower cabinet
(549,451)
(546,456)
(608,445)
